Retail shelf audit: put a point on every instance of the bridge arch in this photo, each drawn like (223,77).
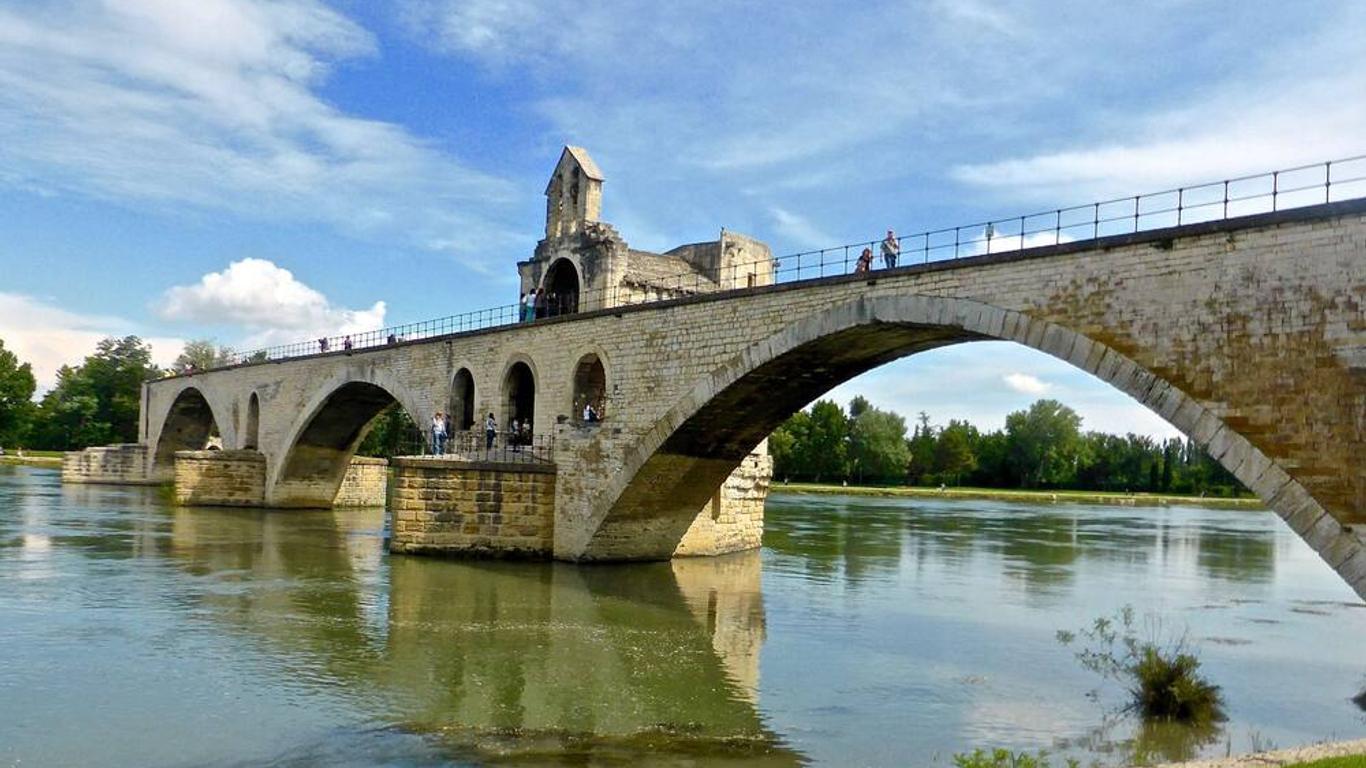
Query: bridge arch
(518,392)
(589,386)
(190,419)
(251,434)
(309,470)
(462,400)
(563,281)
(671,473)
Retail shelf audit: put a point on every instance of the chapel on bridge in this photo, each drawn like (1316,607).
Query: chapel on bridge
(583,264)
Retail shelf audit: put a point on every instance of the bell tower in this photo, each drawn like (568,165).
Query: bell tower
(574,194)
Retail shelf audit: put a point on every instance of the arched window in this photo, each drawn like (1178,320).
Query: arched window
(251,435)
(462,400)
(519,396)
(590,388)
(562,288)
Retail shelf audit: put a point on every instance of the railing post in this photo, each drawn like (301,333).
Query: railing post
(1022,232)
(1327,180)
(1180,201)
(1095,224)
(1275,187)
(1057,228)
(927,247)
(1225,199)
(956,232)
(1136,213)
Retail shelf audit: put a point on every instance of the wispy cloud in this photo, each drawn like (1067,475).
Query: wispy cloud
(215,104)
(48,336)
(267,301)
(798,229)
(1024,382)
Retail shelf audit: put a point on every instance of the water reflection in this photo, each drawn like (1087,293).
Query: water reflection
(869,631)
(501,661)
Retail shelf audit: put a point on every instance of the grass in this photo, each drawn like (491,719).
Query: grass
(1346,761)
(1014,494)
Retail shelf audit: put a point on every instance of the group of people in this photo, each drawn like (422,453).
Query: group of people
(518,435)
(891,251)
(541,303)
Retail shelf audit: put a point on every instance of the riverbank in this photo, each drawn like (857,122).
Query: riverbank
(1003,494)
(48,459)
(1306,757)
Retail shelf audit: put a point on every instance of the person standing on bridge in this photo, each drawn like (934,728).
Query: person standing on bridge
(438,433)
(891,249)
(865,261)
(490,431)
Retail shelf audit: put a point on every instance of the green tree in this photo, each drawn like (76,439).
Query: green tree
(1044,443)
(392,433)
(921,449)
(827,442)
(99,401)
(953,454)
(877,444)
(201,355)
(16,397)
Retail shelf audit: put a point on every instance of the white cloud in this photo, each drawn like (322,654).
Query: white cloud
(214,103)
(799,229)
(1025,383)
(1281,110)
(268,301)
(49,336)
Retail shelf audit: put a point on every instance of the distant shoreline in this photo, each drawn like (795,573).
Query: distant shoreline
(49,459)
(1006,494)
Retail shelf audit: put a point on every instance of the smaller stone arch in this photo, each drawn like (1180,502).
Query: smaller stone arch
(563,286)
(590,388)
(188,425)
(518,395)
(251,434)
(462,402)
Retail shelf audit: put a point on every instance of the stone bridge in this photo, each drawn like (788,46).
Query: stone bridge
(1248,334)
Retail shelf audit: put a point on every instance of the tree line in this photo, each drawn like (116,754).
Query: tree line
(1042,446)
(94,403)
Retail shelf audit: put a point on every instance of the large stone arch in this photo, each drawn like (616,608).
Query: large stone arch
(309,468)
(190,417)
(676,465)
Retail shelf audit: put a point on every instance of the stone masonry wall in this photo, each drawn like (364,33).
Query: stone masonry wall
(118,464)
(365,483)
(220,478)
(734,520)
(483,509)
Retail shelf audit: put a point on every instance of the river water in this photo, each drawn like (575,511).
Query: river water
(866,632)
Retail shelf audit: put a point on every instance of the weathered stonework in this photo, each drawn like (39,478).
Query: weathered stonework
(124,464)
(449,506)
(733,521)
(220,478)
(364,484)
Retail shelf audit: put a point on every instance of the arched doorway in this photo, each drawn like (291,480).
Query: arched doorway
(519,396)
(562,288)
(251,435)
(189,425)
(590,388)
(462,400)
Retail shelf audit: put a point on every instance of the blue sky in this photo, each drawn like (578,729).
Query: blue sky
(265,171)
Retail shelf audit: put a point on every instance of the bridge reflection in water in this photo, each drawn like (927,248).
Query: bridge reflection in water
(497,661)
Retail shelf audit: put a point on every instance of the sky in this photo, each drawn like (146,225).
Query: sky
(262,172)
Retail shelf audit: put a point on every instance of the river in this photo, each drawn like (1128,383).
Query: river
(866,632)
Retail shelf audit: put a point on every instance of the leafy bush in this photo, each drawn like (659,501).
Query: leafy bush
(1161,673)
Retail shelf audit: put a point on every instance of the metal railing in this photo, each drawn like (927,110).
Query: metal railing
(1301,186)
(475,445)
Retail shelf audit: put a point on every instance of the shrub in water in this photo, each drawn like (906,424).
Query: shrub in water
(1162,675)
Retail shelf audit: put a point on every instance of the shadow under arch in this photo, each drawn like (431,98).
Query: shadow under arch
(563,283)
(188,425)
(251,435)
(690,451)
(316,460)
